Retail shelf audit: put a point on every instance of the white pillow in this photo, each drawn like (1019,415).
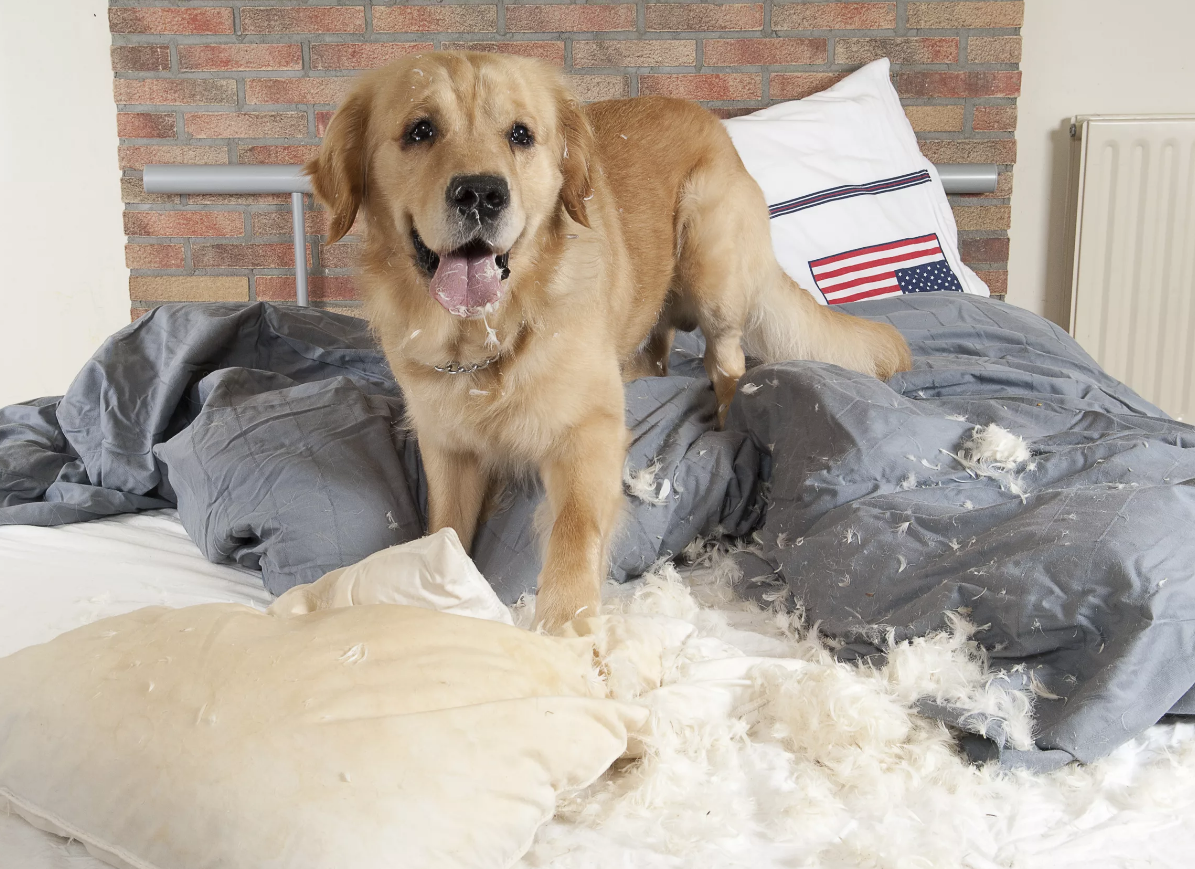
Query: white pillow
(363,736)
(857,210)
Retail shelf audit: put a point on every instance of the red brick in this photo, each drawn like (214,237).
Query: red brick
(362,55)
(959,84)
(982,217)
(599,87)
(183,224)
(322,119)
(834,16)
(154,256)
(994,49)
(969,150)
(551,52)
(984,250)
(898,50)
(635,52)
(175,92)
(140,58)
(280,223)
(725,112)
(320,288)
(798,85)
(435,19)
(157,19)
(703,16)
(289,91)
(951,15)
(303,19)
(201,57)
(339,256)
(276,153)
(992,118)
(559,18)
(760,52)
(250,125)
(704,86)
(244,256)
(145,125)
(136,156)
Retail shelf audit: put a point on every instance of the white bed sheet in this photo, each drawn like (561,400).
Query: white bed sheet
(1137,811)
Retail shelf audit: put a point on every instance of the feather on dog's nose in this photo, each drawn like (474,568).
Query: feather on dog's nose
(485,194)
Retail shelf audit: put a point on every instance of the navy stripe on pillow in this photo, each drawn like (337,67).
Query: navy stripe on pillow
(847,191)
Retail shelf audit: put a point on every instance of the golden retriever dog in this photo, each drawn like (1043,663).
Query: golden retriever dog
(524,255)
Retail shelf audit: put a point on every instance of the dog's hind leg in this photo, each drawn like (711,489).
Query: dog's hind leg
(456,490)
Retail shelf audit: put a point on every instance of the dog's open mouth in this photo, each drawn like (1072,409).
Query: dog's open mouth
(466,281)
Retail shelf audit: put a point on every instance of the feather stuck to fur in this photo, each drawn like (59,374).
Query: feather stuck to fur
(763,750)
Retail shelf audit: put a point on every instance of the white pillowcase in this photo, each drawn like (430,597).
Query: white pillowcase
(857,210)
(363,736)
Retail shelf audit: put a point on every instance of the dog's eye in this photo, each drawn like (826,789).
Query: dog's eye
(421,131)
(520,135)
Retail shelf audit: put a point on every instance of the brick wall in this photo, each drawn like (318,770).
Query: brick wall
(255,81)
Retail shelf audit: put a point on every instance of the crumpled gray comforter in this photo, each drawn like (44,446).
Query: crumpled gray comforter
(278,434)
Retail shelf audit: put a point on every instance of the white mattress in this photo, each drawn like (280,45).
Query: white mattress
(1134,809)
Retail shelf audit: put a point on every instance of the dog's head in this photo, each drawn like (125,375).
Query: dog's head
(462,157)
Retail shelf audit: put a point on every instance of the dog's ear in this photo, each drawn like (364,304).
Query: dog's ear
(338,171)
(578,151)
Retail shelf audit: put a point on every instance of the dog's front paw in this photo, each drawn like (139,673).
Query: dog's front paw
(555,607)
(890,353)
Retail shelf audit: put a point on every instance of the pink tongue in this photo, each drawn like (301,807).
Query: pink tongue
(465,284)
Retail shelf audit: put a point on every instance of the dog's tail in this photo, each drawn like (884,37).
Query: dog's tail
(786,322)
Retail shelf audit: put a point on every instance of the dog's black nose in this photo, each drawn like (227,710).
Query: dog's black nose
(485,194)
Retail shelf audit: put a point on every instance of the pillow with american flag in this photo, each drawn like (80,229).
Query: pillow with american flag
(857,211)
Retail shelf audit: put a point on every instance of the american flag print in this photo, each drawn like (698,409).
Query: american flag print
(910,265)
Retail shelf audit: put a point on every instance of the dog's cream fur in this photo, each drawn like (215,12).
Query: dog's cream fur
(627,220)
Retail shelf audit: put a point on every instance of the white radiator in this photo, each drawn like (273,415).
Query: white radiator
(1131,212)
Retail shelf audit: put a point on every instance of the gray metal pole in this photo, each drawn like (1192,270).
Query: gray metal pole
(300,236)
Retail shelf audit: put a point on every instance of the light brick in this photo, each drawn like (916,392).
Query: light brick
(320,288)
(562,18)
(918,49)
(703,16)
(185,288)
(132,190)
(154,256)
(798,85)
(997,281)
(244,256)
(704,86)
(362,55)
(598,87)
(250,125)
(982,217)
(760,52)
(303,19)
(290,91)
(136,156)
(140,58)
(291,154)
(183,224)
(435,19)
(342,255)
(994,118)
(175,92)
(551,52)
(635,52)
(158,19)
(268,223)
(935,119)
(145,125)
(994,49)
(969,150)
(248,56)
(834,16)
(1001,13)
(1003,83)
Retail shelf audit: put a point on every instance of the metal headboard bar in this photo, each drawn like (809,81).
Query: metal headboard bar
(957,178)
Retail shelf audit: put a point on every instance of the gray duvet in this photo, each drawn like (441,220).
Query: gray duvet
(277,433)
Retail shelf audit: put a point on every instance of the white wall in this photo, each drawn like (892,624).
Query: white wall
(1083,57)
(63,283)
